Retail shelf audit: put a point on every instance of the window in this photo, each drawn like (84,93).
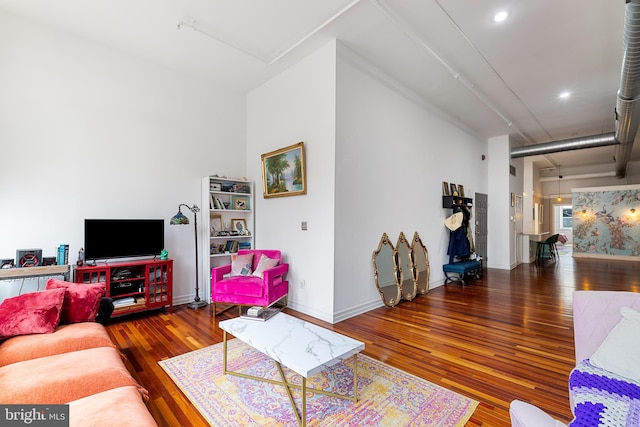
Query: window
(567,217)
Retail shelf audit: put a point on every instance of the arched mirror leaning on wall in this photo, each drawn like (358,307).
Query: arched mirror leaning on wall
(421,268)
(405,268)
(384,272)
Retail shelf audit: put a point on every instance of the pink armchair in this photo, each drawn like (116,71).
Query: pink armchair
(250,289)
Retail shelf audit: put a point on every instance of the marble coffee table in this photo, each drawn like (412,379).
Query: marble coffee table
(301,346)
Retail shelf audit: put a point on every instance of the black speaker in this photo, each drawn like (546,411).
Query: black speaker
(7,263)
(29,257)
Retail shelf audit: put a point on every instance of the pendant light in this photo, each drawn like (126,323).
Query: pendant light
(559,199)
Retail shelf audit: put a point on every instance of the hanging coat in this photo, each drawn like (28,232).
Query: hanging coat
(458,242)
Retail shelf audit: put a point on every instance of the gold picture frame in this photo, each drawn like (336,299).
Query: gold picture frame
(240,203)
(445,189)
(215,224)
(283,172)
(239,225)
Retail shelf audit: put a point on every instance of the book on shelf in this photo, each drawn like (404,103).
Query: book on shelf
(264,313)
(63,255)
(124,302)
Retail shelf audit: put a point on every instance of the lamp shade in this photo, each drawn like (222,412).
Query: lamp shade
(179,219)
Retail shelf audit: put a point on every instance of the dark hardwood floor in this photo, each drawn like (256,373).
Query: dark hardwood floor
(506,336)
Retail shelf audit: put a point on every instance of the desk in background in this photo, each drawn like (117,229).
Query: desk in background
(532,244)
(537,237)
(29,272)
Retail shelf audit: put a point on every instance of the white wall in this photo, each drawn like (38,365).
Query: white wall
(380,170)
(392,155)
(500,250)
(299,105)
(90,132)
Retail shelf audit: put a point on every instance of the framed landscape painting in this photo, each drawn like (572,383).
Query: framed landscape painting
(283,172)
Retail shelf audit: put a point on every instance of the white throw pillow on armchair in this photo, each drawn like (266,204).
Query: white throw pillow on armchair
(241,264)
(265,263)
(620,351)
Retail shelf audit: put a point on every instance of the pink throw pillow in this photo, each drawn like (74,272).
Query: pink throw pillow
(81,301)
(31,313)
(265,263)
(241,264)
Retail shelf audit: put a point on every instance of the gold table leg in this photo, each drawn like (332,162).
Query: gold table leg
(301,418)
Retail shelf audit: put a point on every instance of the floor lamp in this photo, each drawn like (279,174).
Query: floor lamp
(180,219)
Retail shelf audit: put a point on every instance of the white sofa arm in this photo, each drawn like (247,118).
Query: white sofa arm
(526,415)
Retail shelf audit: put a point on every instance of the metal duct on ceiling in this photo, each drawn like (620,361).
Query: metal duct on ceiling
(565,145)
(627,118)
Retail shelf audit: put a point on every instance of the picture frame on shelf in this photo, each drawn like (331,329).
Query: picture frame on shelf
(283,172)
(445,188)
(239,225)
(460,190)
(454,189)
(240,203)
(215,224)
(241,188)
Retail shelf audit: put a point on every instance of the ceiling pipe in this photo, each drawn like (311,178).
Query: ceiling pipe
(578,176)
(280,53)
(627,118)
(565,145)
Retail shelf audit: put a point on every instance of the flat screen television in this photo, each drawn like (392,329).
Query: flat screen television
(122,238)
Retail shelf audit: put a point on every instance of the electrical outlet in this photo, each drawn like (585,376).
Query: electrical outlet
(302,284)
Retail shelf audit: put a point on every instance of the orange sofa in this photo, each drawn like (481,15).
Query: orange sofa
(76,365)
(52,351)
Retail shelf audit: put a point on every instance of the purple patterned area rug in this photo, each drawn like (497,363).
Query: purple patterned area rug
(386,396)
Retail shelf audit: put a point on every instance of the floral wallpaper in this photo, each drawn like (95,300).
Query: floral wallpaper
(607,222)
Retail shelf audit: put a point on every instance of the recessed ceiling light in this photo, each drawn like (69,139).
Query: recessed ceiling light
(564,95)
(500,16)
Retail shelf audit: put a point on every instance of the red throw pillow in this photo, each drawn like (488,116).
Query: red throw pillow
(31,313)
(81,301)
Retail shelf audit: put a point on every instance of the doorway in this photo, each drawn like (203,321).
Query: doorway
(517,220)
(481,226)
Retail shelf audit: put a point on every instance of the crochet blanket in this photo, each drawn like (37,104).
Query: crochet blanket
(603,399)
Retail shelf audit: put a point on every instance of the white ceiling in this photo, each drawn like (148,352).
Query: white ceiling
(492,79)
